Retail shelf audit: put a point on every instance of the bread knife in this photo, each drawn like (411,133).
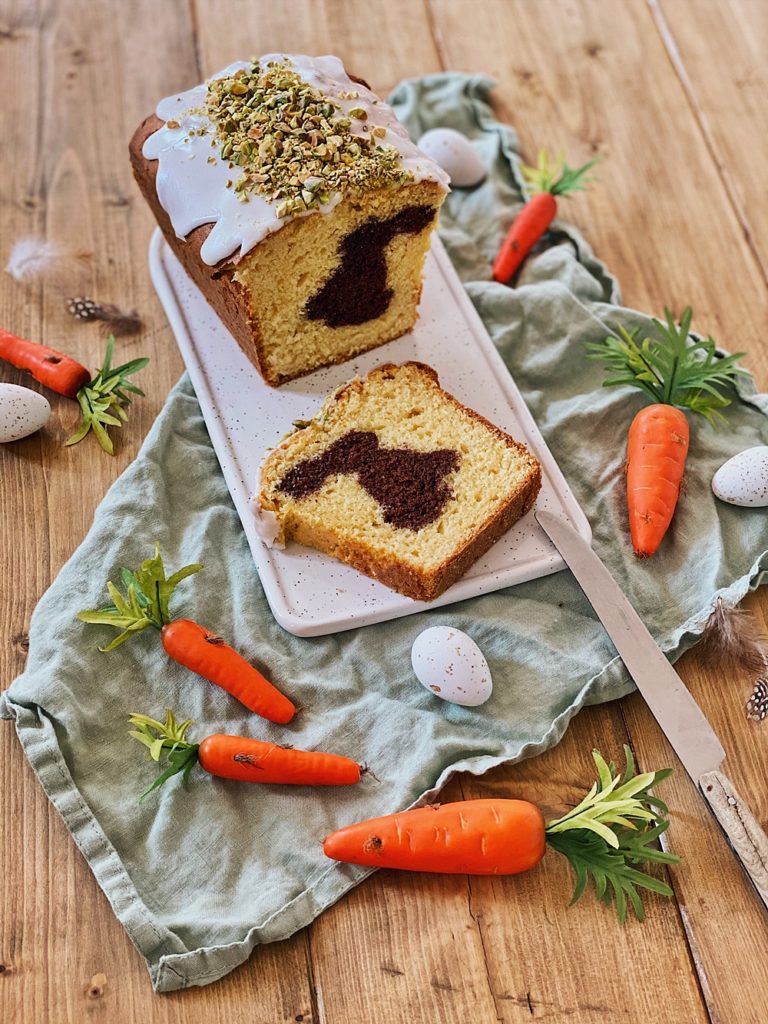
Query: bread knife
(680,717)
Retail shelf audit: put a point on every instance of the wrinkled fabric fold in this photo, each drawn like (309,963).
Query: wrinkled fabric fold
(200,876)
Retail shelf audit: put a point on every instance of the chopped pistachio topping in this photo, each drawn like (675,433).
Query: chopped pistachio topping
(295,146)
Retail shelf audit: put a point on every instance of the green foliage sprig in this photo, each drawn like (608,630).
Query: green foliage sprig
(144,603)
(557,178)
(671,368)
(611,831)
(165,739)
(103,400)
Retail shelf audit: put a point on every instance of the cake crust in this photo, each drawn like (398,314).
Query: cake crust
(419,584)
(228,298)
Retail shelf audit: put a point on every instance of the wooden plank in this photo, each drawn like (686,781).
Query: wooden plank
(569,77)
(624,102)
(83,75)
(381,42)
(412,945)
(399,938)
(722,914)
(547,960)
(719,56)
(25,553)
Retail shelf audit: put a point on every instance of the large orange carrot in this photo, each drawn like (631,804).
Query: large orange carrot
(473,837)
(544,184)
(238,757)
(145,603)
(210,657)
(605,837)
(675,370)
(657,447)
(58,372)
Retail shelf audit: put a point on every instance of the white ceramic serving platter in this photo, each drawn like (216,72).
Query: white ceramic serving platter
(310,593)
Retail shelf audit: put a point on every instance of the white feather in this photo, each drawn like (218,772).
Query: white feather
(31,258)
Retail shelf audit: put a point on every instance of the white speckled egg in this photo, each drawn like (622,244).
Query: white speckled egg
(455,154)
(22,412)
(743,479)
(451,665)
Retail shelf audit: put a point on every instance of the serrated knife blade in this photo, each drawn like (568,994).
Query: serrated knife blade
(680,717)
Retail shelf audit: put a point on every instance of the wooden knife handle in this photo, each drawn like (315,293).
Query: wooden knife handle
(741,828)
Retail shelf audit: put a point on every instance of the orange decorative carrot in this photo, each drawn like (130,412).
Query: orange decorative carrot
(206,654)
(58,372)
(657,447)
(676,371)
(145,603)
(472,837)
(604,837)
(545,183)
(238,757)
(103,398)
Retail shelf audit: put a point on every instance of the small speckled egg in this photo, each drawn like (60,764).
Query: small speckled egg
(449,664)
(455,154)
(743,479)
(22,412)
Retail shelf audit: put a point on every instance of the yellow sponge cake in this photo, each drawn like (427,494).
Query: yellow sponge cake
(397,478)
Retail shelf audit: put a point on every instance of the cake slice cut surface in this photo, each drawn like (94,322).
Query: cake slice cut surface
(395,477)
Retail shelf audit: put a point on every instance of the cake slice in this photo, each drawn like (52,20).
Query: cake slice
(297,203)
(397,478)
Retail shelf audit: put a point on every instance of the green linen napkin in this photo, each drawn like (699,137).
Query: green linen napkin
(200,876)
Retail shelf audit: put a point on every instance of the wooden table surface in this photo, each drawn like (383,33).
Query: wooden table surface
(672,94)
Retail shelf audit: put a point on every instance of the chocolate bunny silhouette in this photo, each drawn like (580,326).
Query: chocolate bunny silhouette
(409,485)
(357,289)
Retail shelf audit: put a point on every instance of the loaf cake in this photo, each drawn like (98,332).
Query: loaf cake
(397,478)
(298,204)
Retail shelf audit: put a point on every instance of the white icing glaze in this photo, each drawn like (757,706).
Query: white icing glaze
(193,191)
(267,525)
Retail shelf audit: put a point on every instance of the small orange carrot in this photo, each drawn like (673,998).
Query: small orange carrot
(232,757)
(605,837)
(145,603)
(210,657)
(472,837)
(544,184)
(676,371)
(58,372)
(524,232)
(657,447)
(238,757)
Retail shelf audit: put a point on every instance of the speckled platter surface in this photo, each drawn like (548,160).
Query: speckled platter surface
(310,593)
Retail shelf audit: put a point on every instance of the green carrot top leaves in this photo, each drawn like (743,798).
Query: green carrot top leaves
(166,738)
(610,831)
(608,803)
(145,602)
(103,400)
(556,178)
(673,368)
